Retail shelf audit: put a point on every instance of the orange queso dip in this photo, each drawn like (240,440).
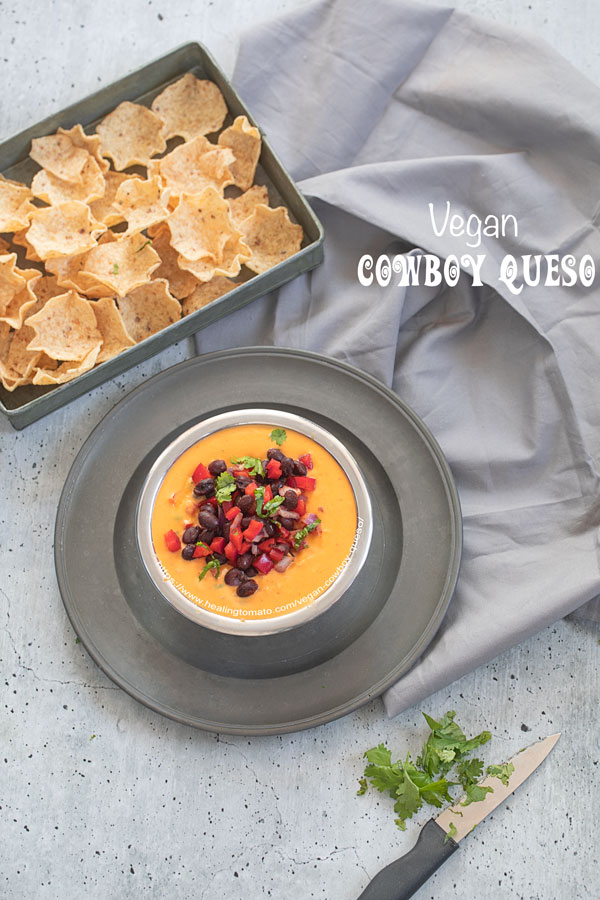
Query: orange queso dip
(314,568)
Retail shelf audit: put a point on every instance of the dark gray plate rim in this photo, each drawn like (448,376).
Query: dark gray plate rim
(328,713)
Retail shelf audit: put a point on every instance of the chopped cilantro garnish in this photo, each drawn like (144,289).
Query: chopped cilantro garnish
(254,465)
(362,786)
(259,497)
(503,772)
(273,505)
(451,832)
(475,793)
(92,737)
(213,564)
(115,270)
(224,486)
(300,535)
(278,436)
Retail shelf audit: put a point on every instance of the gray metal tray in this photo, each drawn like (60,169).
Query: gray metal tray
(195,675)
(26,404)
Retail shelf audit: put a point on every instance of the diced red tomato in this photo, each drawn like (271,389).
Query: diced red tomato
(230,552)
(263,564)
(291,481)
(254,528)
(250,488)
(304,482)
(307,460)
(268,493)
(217,545)
(172,541)
(301,507)
(235,538)
(265,546)
(232,513)
(283,534)
(245,547)
(276,555)
(239,472)
(227,504)
(274,469)
(201,550)
(200,472)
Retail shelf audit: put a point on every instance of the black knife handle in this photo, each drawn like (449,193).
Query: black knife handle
(404,876)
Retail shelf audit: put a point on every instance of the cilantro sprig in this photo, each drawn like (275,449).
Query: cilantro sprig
(224,487)
(300,535)
(411,784)
(278,436)
(213,564)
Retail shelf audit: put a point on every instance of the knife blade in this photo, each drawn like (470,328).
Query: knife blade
(435,845)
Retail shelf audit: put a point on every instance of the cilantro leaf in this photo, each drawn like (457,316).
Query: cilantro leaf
(362,786)
(469,771)
(451,833)
(259,497)
(224,486)
(278,436)
(213,564)
(409,798)
(475,793)
(447,744)
(300,535)
(271,506)
(252,463)
(503,772)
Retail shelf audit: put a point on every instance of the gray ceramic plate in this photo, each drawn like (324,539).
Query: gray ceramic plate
(149,650)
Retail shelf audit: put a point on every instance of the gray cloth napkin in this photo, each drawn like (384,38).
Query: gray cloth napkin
(378,110)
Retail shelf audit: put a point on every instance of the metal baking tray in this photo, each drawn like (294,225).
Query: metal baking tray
(28,403)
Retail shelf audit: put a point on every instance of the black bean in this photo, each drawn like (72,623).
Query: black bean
(242,482)
(206,536)
(243,561)
(277,485)
(247,588)
(234,577)
(270,529)
(207,507)
(290,500)
(287,523)
(190,535)
(247,504)
(188,551)
(225,530)
(208,520)
(217,467)
(251,572)
(205,487)
(275,453)
(287,466)
(300,468)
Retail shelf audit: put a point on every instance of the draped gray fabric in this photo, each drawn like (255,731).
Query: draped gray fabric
(379,110)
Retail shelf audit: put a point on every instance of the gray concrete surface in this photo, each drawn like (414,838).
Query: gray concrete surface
(101,798)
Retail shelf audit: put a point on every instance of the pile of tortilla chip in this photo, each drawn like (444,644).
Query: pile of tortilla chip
(118,255)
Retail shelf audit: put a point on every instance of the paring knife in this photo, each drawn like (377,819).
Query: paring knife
(404,876)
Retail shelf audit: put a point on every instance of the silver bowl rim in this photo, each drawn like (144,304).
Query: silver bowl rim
(258,626)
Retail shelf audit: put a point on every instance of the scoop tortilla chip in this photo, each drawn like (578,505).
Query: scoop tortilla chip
(142,203)
(20,240)
(67,269)
(16,361)
(180,283)
(148,309)
(206,293)
(244,139)
(235,253)
(111,327)
(104,209)
(54,190)
(201,226)
(243,206)
(11,281)
(15,205)
(4,247)
(192,167)
(67,371)
(270,236)
(190,107)
(58,154)
(47,287)
(63,230)
(123,265)
(21,304)
(65,328)
(88,142)
(130,135)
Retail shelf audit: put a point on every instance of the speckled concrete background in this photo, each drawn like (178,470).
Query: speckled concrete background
(100,797)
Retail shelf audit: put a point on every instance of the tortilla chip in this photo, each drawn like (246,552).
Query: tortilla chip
(54,190)
(20,240)
(192,167)
(111,327)
(148,309)
(67,269)
(244,139)
(65,328)
(21,304)
(201,226)
(243,206)
(142,203)
(190,107)
(130,135)
(16,361)
(180,283)
(59,155)
(63,230)
(11,281)
(122,265)
(88,142)
(15,205)
(104,209)
(270,236)
(67,371)
(4,247)
(235,253)
(206,293)
(47,287)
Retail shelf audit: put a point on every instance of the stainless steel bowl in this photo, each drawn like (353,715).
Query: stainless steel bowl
(255,627)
